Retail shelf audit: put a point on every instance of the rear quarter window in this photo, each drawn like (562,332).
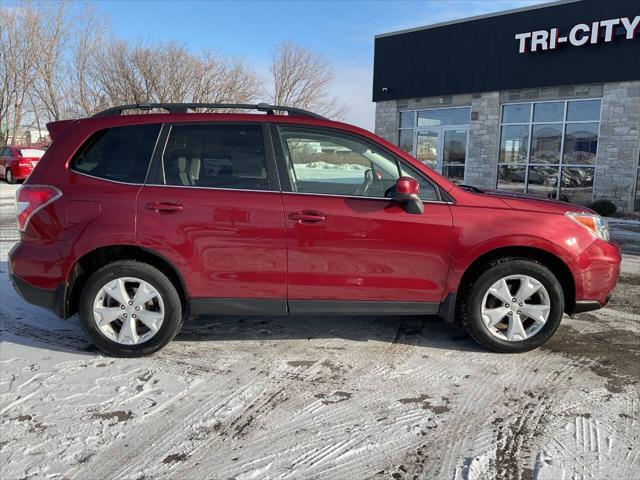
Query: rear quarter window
(121,154)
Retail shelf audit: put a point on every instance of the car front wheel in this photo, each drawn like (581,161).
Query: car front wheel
(130,309)
(516,305)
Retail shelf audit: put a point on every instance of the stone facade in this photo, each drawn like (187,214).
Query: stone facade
(483,141)
(618,143)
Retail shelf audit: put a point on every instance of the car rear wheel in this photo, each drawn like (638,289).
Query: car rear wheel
(8,175)
(516,305)
(130,309)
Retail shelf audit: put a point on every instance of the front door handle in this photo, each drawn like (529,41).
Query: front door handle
(308,216)
(164,207)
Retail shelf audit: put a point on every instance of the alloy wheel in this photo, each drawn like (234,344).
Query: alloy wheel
(515,308)
(128,310)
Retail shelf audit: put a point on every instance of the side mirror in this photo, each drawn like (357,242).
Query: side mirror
(407,192)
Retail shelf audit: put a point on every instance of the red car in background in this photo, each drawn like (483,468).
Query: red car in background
(17,163)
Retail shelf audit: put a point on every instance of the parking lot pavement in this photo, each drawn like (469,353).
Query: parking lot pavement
(334,397)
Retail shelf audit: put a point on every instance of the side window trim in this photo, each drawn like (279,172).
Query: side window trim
(281,159)
(156,174)
(283,166)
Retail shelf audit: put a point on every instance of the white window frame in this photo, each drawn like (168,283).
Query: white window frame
(440,129)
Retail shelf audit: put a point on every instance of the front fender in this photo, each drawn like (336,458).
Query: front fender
(480,231)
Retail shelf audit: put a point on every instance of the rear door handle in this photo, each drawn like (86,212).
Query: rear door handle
(307,216)
(166,207)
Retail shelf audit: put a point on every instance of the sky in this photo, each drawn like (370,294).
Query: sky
(343,31)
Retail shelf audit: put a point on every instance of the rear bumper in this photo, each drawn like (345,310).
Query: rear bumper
(595,272)
(24,263)
(50,299)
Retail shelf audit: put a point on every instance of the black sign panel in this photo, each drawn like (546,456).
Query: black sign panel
(484,55)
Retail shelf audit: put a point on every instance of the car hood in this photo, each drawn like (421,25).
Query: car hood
(521,201)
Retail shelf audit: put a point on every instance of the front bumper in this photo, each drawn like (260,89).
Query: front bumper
(582,306)
(595,272)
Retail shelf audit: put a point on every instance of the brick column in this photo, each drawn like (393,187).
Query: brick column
(387,121)
(483,144)
(618,144)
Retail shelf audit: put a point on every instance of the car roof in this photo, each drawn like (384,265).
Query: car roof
(196,117)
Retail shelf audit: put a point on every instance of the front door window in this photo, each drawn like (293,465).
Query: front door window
(327,163)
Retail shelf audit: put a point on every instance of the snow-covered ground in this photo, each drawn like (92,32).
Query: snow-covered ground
(334,397)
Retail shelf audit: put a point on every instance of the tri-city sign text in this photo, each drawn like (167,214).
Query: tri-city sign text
(601,31)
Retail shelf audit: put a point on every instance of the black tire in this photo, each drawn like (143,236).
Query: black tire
(8,176)
(130,268)
(469,308)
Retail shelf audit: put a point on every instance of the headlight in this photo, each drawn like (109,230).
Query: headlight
(594,223)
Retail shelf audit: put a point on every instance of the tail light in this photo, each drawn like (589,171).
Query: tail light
(30,199)
(24,162)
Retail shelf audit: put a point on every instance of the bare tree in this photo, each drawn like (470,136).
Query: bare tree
(51,34)
(55,64)
(18,27)
(83,94)
(133,73)
(224,80)
(302,78)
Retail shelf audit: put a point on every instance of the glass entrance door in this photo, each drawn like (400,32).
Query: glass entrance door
(443,149)
(454,153)
(428,147)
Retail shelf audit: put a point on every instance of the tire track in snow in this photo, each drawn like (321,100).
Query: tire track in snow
(318,417)
(231,416)
(477,437)
(163,436)
(66,339)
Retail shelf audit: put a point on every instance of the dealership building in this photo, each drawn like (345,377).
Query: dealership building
(543,100)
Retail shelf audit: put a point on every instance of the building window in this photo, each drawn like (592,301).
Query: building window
(549,149)
(437,137)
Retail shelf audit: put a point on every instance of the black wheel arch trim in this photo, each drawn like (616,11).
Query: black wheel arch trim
(66,310)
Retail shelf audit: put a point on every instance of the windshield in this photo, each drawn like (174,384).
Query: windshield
(30,152)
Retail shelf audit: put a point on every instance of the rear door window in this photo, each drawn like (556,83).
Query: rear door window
(121,154)
(216,156)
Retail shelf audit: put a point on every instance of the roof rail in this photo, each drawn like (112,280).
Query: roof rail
(185,107)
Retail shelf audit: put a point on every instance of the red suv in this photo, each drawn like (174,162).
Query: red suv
(138,221)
